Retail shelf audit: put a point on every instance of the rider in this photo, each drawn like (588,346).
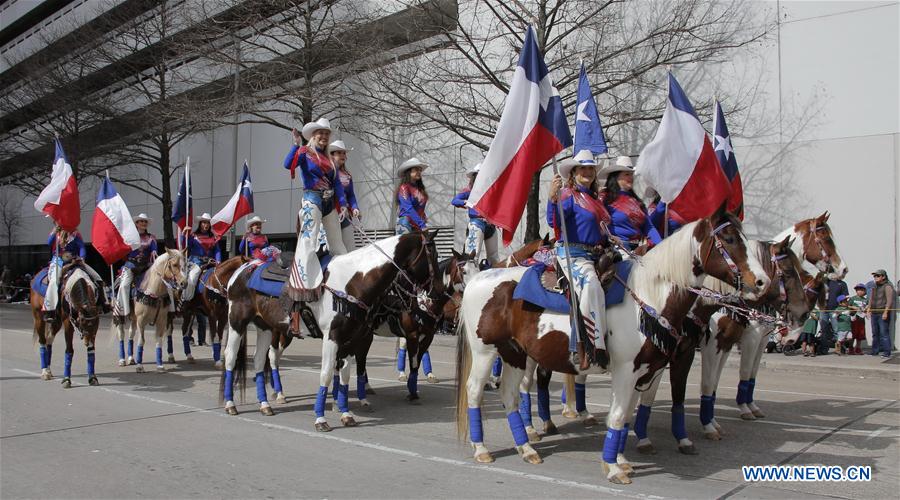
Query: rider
(575,189)
(203,251)
(479,230)
(656,209)
(320,184)
(630,222)
(66,247)
(136,262)
(338,152)
(254,242)
(411,198)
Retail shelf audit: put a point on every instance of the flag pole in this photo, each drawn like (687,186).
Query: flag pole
(573,347)
(112,274)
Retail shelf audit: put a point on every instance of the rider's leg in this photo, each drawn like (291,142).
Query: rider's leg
(193,277)
(333,233)
(124,295)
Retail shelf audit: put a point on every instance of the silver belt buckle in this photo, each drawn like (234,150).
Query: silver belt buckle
(327,194)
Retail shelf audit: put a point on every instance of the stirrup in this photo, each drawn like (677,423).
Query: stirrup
(294,325)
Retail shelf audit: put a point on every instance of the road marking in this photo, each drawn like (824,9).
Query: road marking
(378,447)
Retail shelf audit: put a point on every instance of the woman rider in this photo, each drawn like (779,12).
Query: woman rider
(203,251)
(630,222)
(479,230)
(338,152)
(64,248)
(253,242)
(136,262)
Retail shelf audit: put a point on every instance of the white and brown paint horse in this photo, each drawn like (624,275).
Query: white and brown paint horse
(151,305)
(493,322)
(79,313)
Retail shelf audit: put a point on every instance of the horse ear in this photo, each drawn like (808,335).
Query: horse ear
(822,218)
(546,239)
(786,242)
(826,215)
(432,233)
(471,255)
(720,213)
(456,255)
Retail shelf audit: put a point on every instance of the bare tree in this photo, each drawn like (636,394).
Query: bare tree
(10,215)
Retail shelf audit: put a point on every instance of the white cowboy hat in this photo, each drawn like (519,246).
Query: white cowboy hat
(622,164)
(310,128)
(474,170)
(584,158)
(142,216)
(410,163)
(204,217)
(338,146)
(254,220)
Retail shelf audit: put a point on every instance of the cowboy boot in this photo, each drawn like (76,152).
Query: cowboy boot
(294,326)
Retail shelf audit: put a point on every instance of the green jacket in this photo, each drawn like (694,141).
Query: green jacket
(859,303)
(843,316)
(812,322)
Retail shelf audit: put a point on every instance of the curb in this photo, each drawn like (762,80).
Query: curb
(881,373)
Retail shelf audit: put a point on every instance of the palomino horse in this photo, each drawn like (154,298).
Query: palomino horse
(151,306)
(786,296)
(659,295)
(79,312)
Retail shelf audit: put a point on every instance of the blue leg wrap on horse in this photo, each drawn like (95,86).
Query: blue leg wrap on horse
(678,428)
(187,345)
(140,354)
(365,378)
(320,401)
(217,351)
(426,363)
(401,360)
(562,396)
(611,445)
(412,383)
(641,420)
(42,352)
(752,383)
(121,349)
(159,356)
(67,369)
(517,427)
(476,432)
(276,380)
(543,402)
(260,387)
(229,385)
(90,365)
(525,407)
(169,348)
(623,439)
(49,355)
(361,387)
(335,382)
(130,347)
(343,398)
(743,387)
(706,409)
(497,369)
(580,403)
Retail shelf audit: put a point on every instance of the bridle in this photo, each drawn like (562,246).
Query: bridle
(717,243)
(823,252)
(78,320)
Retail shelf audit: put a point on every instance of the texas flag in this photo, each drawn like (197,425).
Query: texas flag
(113,232)
(588,129)
(725,154)
(240,204)
(532,129)
(680,162)
(183,215)
(60,198)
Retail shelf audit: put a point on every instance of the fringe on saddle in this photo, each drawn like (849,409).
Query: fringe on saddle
(665,338)
(150,300)
(304,294)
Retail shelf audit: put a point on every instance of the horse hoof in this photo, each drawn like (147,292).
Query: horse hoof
(121,362)
(713,436)
(280,399)
(688,449)
(620,478)
(139,369)
(93,380)
(46,376)
(266,410)
(484,458)
(160,369)
(533,436)
(646,449)
(366,407)
(231,410)
(323,427)
(747,416)
(569,413)
(627,468)
(533,458)
(759,414)
(370,391)
(401,377)
(219,365)
(67,383)
(130,360)
(349,421)
(171,359)
(550,428)
(190,359)
(590,421)
(413,398)
(432,379)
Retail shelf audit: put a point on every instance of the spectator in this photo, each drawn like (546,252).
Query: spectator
(808,335)
(836,288)
(843,315)
(858,304)
(881,305)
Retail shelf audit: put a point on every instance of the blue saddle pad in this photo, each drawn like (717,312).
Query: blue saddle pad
(531,290)
(267,287)
(201,283)
(39,283)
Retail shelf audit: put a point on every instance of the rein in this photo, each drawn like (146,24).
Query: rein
(738,280)
(814,231)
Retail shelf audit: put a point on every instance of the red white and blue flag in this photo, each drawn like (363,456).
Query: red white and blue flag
(60,198)
(183,210)
(680,162)
(725,154)
(113,232)
(240,204)
(532,130)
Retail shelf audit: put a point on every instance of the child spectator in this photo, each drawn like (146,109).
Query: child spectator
(808,336)
(858,304)
(843,338)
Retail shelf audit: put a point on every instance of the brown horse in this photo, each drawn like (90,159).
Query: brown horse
(79,312)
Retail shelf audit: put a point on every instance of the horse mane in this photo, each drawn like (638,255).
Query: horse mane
(77,287)
(444,264)
(368,252)
(668,262)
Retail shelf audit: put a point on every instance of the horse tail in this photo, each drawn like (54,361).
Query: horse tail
(240,367)
(569,385)
(463,367)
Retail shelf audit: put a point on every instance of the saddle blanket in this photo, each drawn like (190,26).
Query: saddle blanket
(264,286)
(40,282)
(201,283)
(530,289)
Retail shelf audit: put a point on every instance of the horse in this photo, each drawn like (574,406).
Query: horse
(79,312)
(356,283)
(492,321)
(151,305)
(210,300)
(715,331)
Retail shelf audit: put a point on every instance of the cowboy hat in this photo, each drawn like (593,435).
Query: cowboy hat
(310,128)
(338,146)
(204,217)
(255,220)
(142,216)
(474,169)
(584,158)
(410,163)
(622,164)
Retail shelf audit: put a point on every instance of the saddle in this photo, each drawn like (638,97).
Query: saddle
(279,270)
(606,270)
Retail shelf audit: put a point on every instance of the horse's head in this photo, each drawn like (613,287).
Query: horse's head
(722,254)
(789,284)
(458,270)
(81,297)
(817,246)
(174,271)
(416,254)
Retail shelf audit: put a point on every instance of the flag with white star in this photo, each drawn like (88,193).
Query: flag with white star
(588,130)
(725,154)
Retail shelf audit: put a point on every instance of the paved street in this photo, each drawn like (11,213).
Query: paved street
(165,435)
